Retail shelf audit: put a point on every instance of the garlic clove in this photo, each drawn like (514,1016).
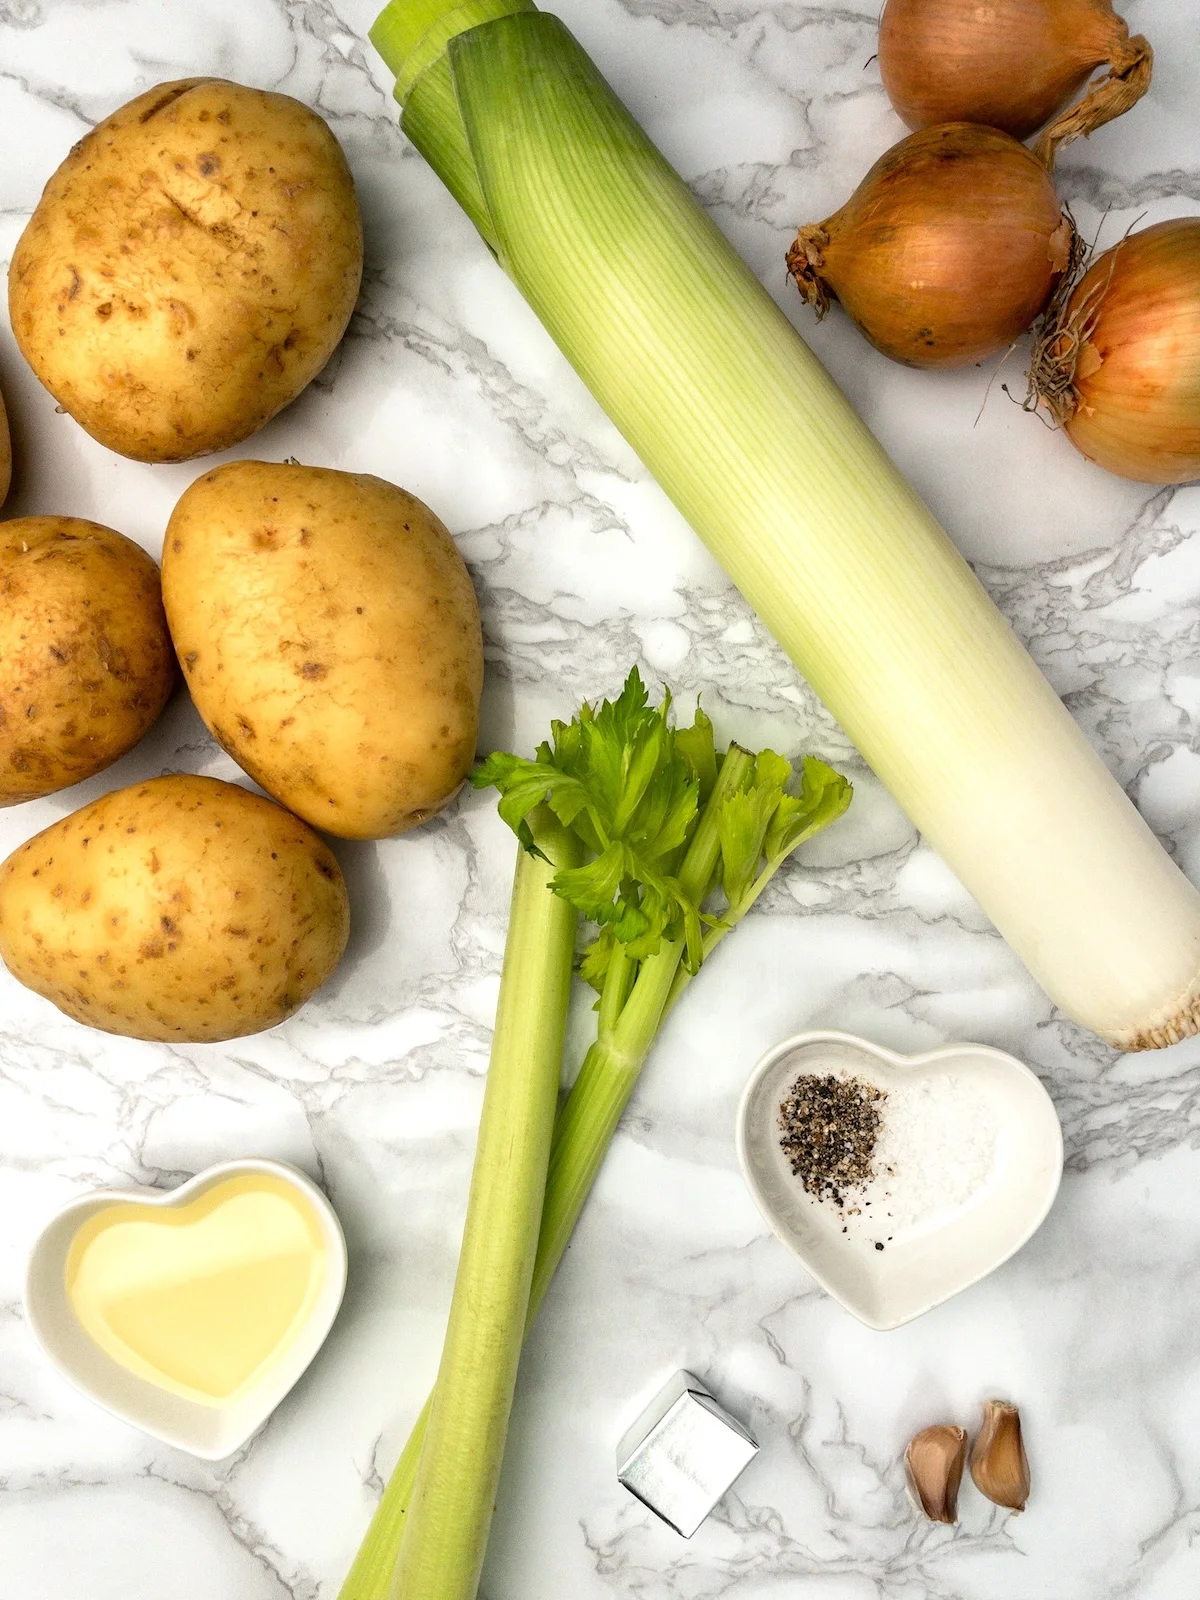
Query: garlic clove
(934,1464)
(998,1462)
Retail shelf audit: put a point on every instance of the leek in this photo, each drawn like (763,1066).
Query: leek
(664,823)
(750,437)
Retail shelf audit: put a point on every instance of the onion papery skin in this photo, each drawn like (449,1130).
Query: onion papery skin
(1010,64)
(946,252)
(1128,348)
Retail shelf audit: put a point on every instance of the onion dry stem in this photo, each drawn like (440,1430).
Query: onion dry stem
(1012,64)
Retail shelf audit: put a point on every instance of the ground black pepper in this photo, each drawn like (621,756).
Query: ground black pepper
(828,1126)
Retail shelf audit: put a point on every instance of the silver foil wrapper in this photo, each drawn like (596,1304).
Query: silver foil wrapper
(683,1453)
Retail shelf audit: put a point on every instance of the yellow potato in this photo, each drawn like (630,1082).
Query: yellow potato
(85,658)
(5,454)
(189,269)
(330,637)
(183,908)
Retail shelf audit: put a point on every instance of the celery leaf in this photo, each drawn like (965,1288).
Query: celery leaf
(631,786)
(617,776)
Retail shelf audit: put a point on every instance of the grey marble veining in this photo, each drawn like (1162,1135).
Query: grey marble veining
(446,384)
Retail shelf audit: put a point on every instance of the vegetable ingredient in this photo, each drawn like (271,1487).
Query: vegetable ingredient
(663,821)
(464,1443)
(330,637)
(947,250)
(5,454)
(1011,64)
(744,429)
(1118,364)
(189,269)
(998,1462)
(933,1464)
(86,664)
(201,1299)
(182,909)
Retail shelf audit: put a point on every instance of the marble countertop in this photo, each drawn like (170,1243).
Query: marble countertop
(446,384)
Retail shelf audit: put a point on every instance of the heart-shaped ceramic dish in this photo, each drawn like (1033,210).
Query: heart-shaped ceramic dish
(998,1179)
(209,1430)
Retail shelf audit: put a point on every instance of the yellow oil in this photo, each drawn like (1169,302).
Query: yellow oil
(201,1299)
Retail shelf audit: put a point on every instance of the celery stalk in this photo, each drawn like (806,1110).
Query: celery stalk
(464,1443)
(746,432)
(667,827)
(582,1133)
(611,1068)
(635,1000)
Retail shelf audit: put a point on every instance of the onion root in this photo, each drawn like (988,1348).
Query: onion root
(1116,358)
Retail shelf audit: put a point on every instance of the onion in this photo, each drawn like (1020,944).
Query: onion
(946,252)
(1011,64)
(1118,366)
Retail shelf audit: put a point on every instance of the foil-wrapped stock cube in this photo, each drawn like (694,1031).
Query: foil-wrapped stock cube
(683,1454)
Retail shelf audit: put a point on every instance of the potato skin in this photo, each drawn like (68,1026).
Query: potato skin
(330,637)
(5,454)
(181,909)
(86,663)
(189,268)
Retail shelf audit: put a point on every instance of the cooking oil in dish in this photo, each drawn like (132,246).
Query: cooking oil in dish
(200,1299)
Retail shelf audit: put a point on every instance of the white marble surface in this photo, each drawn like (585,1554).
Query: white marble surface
(773,110)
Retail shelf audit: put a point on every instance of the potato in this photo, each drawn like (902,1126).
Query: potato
(5,454)
(330,636)
(189,268)
(86,663)
(183,909)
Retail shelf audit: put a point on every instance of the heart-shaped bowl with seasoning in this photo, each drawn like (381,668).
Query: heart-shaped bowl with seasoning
(898,1180)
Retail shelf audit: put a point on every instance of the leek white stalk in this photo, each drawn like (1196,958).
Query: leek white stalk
(747,433)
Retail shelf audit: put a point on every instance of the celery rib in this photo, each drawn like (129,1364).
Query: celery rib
(455,1485)
(583,1131)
